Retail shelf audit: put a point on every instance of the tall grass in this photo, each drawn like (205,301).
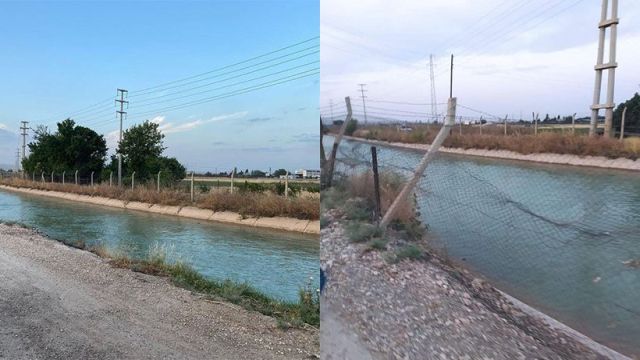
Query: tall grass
(305,311)
(519,139)
(260,204)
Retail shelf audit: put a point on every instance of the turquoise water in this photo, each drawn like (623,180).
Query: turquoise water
(277,263)
(556,237)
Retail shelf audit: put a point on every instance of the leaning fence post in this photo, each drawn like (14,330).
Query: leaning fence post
(433,149)
(624,112)
(133,180)
(376,181)
(286,185)
(192,186)
(76,177)
(92,178)
(159,180)
(336,143)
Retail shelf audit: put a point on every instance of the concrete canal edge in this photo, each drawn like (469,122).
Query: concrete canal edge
(547,158)
(277,223)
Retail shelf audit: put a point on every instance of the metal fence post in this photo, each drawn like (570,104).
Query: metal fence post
(133,180)
(422,166)
(336,143)
(192,186)
(76,177)
(42,176)
(286,185)
(110,178)
(52,177)
(92,178)
(63,176)
(159,180)
(505,124)
(573,124)
(33,175)
(376,181)
(233,172)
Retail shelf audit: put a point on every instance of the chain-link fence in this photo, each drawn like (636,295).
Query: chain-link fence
(563,239)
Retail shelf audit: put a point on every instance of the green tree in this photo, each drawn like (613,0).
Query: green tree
(352,126)
(70,148)
(141,148)
(632,118)
(258,174)
(280,172)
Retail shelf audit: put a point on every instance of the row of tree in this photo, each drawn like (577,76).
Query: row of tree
(74,147)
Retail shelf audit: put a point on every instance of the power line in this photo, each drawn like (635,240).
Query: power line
(229,66)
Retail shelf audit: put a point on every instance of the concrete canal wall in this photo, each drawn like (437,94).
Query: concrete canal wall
(560,159)
(228,217)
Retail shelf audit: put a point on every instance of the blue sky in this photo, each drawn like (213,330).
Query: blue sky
(511,57)
(60,57)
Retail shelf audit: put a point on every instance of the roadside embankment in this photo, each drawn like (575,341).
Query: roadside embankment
(277,223)
(57,302)
(548,158)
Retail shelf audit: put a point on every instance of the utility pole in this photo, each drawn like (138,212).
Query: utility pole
(331,108)
(23,132)
(451,79)
(362,91)
(610,66)
(17,159)
(434,106)
(121,112)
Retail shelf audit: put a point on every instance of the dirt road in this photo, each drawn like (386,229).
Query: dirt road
(62,303)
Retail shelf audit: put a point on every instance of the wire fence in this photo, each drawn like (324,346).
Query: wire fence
(563,239)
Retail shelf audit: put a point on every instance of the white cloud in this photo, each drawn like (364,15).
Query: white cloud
(169,127)
(3,126)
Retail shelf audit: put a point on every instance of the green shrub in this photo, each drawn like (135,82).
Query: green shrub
(361,232)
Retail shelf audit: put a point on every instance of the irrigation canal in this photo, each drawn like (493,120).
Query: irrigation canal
(277,263)
(563,239)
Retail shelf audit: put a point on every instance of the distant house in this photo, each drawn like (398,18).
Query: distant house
(307,174)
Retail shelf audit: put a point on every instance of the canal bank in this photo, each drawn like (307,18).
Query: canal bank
(60,302)
(275,262)
(557,159)
(278,223)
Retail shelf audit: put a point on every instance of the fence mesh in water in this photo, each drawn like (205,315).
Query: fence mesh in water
(563,239)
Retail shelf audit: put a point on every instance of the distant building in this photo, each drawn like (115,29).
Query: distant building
(307,174)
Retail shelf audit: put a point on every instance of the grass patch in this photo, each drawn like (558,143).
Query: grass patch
(288,314)
(361,232)
(379,243)
(409,252)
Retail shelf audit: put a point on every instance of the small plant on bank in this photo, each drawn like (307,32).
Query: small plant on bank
(408,252)
(362,232)
(378,243)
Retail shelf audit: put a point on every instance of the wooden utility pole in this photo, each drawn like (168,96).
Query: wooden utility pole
(376,182)
(610,66)
(121,113)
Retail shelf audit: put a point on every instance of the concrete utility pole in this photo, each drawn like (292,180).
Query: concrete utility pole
(624,113)
(610,66)
(23,131)
(364,107)
(121,112)
(17,159)
(434,106)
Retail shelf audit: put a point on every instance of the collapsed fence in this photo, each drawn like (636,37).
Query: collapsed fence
(563,239)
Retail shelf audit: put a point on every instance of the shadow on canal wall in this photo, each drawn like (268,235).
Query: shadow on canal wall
(278,223)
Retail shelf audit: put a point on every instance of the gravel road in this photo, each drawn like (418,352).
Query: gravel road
(57,302)
(420,310)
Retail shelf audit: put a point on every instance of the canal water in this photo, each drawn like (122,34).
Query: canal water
(277,263)
(560,238)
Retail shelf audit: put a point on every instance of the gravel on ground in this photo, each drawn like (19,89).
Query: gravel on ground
(57,302)
(428,310)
